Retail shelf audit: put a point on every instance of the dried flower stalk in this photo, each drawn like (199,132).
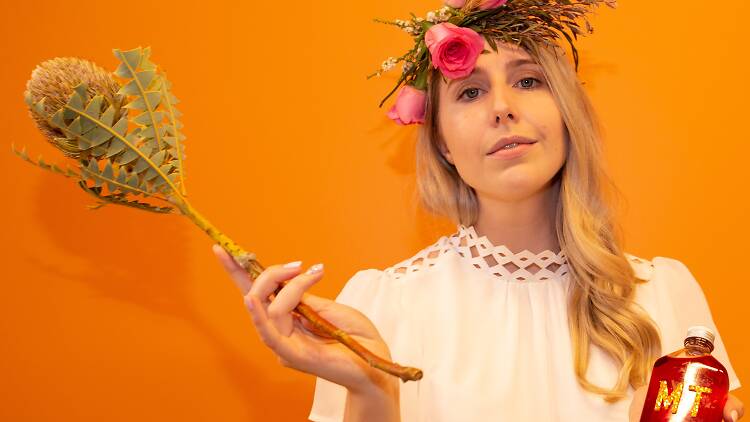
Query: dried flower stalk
(127,141)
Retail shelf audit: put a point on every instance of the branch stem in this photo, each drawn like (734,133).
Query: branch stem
(254,268)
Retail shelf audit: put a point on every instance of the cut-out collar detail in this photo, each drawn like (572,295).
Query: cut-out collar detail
(504,263)
(498,261)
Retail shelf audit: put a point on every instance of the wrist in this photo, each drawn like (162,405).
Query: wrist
(377,400)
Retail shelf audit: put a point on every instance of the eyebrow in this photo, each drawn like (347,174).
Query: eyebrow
(481,72)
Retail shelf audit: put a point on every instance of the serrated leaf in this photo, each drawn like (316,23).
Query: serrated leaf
(121,126)
(153,98)
(147,118)
(128,156)
(99,151)
(57,119)
(98,136)
(75,127)
(75,101)
(141,165)
(109,174)
(121,176)
(133,180)
(115,147)
(39,107)
(93,109)
(83,143)
(131,57)
(140,83)
(150,174)
(93,169)
(123,71)
(108,117)
(87,124)
(82,91)
(158,158)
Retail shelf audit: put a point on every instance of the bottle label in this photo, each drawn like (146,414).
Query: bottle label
(665,399)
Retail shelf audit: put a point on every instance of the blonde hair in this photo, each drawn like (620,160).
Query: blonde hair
(601,307)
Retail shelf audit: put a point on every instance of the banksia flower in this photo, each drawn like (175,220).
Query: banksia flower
(54,80)
(128,144)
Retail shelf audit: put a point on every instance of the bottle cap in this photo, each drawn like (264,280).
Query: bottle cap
(702,332)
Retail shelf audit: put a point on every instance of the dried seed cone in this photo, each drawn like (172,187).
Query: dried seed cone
(54,80)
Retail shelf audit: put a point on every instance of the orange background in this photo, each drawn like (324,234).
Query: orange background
(122,315)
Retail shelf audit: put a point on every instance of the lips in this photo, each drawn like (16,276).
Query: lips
(509,140)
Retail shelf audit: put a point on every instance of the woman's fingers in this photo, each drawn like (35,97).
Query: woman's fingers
(734,409)
(280,345)
(239,275)
(279,311)
(270,279)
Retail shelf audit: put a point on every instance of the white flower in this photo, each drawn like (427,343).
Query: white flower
(388,64)
(431,17)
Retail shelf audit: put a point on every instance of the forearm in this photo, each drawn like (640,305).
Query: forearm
(378,403)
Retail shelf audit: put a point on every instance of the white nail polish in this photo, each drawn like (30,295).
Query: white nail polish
(294,264)
(315,269)
(734,415)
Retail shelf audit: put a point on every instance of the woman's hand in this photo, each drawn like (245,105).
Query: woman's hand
(290,336)
(733,409)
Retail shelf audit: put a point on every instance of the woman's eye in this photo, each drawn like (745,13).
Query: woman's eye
(527,83)
(470,93)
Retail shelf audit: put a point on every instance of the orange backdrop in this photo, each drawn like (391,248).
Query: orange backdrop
(122,315)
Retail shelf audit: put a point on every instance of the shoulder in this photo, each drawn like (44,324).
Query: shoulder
(669,285)
(421,262)
(661,269)
(370,283)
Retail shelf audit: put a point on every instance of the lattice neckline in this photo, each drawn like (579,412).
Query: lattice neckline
(504,263)
(498,261)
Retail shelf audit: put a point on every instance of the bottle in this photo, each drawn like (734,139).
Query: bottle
(688,384)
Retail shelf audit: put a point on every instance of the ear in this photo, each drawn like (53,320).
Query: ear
(446,153)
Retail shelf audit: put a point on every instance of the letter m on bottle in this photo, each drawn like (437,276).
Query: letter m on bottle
(665,399)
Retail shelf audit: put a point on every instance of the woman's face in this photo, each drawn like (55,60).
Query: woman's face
(506,95)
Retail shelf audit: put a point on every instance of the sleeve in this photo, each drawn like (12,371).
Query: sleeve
(690,307)
(329,398)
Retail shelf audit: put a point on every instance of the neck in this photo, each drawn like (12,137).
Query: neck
(526,224)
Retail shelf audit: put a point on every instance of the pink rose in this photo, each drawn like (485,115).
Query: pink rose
(456,4)
(491,4)
(454,50)
(409,107)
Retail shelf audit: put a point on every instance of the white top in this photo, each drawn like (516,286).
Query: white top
(489,329)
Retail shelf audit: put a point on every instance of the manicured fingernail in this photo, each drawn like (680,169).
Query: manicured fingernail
(315,269)
(250,304)
(734,415)
(294,264)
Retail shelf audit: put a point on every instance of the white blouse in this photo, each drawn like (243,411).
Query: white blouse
(489,329)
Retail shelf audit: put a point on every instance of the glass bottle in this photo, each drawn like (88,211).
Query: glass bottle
(688,384)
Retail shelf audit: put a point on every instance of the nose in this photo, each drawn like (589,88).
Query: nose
(503,109)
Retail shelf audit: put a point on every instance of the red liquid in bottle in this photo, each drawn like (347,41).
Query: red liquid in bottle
(688,384)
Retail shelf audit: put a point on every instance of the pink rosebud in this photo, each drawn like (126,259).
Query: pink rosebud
(456,4)
(409,107)
(491,4)
(454,50)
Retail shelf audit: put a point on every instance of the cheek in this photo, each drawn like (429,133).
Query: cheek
(460,129)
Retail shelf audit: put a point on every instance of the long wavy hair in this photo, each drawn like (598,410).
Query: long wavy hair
(601,306)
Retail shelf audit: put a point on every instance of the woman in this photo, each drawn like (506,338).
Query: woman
(531,310)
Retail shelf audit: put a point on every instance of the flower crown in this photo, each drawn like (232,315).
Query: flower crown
(454,37)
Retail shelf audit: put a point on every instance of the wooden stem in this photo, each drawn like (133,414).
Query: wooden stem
(254,268)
